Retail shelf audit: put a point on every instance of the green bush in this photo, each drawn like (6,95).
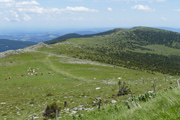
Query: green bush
(145,97)
(50,111)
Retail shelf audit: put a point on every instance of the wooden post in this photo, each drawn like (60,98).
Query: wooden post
(165,78)
(122,89)
(132,94)
(56,114)
(99,105)
(32,117)
(154,80)
(178,83)
(119,83)
(154,88)
(65,104)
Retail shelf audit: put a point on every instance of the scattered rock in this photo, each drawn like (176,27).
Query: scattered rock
(96,101)
(98,98)
(3,103)
(150,91)
(113,101)
(66,109)
(73,112)
(80,109)
(98,88)
(64,43)
(27,49)
(76,109)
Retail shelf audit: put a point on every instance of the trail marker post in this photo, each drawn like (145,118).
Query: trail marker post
(154,88)
(178,83)
(56,114)
(132,94)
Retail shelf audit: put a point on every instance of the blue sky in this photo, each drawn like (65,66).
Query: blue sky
(60,14)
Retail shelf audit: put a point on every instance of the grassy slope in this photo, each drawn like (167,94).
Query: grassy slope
(160,49)
(164,106)
(72,80)
(127,48)
(26,96)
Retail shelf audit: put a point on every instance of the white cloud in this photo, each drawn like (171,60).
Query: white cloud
(136,1)
(41,10)
(7,19)
(12,16)
(12,19)
(26,17)
(6,1)
(177,10)
(28,3)
(73,18)
(13,4)
(143,8)
(156,0)
(79,9)
(22,11)
(163,18)
(109,9)
(31,10)
(15,16)
(76,0)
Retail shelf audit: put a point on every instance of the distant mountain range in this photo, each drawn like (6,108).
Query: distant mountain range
(44,35)
(6,44)
(170,29)
(75,35)
(21,40)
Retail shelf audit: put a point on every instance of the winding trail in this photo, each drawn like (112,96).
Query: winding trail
(48,64)
(58,70)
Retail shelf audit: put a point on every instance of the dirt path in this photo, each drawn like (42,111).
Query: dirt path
(56,69)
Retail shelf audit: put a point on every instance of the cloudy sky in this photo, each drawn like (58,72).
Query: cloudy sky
(33,14)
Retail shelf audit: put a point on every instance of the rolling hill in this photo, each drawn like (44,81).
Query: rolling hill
(75,35)
(82,71)
(135,48)
(6,44)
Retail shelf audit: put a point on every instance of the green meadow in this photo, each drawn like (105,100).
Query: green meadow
(80,71)
(73,80)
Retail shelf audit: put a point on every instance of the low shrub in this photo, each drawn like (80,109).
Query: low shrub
(50,111)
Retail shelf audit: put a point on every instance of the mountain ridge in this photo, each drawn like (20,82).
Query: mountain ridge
(133,29)
(129,48)
(75,35)
(6,44)
(82,71)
